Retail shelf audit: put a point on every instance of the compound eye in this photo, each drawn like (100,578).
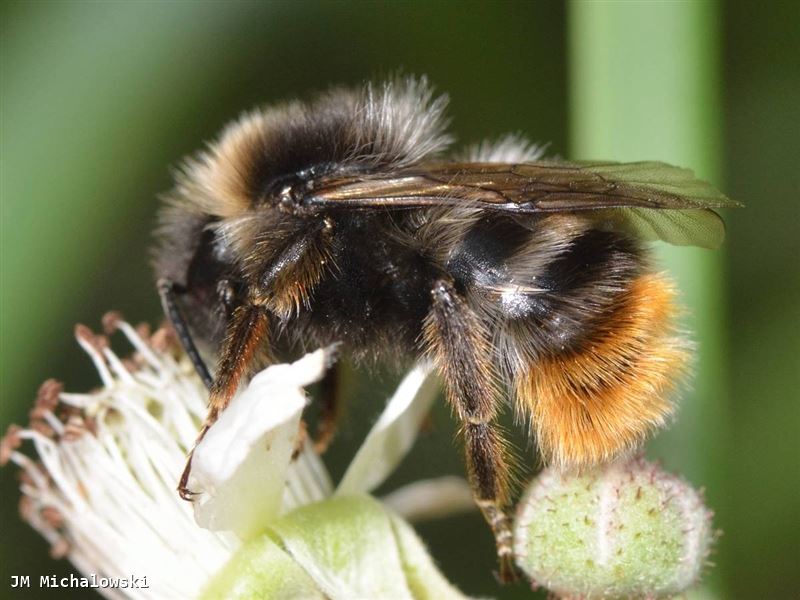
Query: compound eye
(289,193)
(292,198)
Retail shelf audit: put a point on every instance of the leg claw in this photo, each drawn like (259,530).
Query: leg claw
(507,572)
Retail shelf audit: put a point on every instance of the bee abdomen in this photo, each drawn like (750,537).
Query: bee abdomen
(591,402)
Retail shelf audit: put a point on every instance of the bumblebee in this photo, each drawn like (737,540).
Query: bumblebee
(528,280)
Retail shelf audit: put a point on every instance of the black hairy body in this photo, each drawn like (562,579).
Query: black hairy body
(376,290)
(337,222)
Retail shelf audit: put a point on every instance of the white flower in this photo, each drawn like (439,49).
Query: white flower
(103,493)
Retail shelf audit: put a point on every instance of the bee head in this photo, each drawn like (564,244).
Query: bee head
(269,156)
(246,191)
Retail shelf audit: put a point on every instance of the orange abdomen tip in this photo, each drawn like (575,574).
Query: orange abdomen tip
(590,404)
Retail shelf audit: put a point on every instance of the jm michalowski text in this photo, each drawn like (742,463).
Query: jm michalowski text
(74,581)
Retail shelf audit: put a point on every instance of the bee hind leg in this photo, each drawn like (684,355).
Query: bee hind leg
(460,345)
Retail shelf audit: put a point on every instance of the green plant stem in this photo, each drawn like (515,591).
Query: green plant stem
(644,85)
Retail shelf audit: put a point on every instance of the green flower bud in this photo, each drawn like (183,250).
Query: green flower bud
(625,530)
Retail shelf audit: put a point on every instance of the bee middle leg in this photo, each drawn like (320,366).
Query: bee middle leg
(460,345)
(331,408)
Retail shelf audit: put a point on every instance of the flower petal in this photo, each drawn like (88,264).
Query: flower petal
(432,498)
(424,579)
(393,435)
(239,468)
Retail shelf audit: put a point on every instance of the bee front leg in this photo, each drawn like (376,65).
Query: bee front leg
(460,345)
(276,289)
(247,328)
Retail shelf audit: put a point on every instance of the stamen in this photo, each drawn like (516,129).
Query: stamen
(137,342)
(9,443)
(104,494)
(117,367)
(92,345)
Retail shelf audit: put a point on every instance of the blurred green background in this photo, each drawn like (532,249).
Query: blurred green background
(100,100)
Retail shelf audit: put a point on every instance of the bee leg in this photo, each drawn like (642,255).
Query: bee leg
(300,440)
(460,345)
(331,409)
(248,326)
(169,290)
(183,484)
(328,419)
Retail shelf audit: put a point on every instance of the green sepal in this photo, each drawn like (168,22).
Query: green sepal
(342,548)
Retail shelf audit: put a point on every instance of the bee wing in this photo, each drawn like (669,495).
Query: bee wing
(681,227)
(650,199)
